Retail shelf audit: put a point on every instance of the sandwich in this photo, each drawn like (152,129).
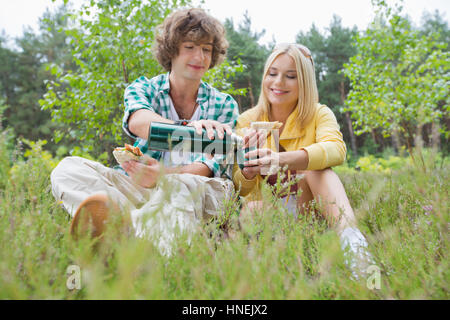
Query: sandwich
(128,153)
(266,125)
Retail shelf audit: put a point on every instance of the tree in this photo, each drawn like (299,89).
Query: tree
(23,73)
(398,77)
(435,23)
(330,51)
(244,47)
(316,42)
(8,77)
(339,51)
(112,42)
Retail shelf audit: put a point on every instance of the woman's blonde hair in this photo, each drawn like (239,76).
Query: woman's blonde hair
(308,96)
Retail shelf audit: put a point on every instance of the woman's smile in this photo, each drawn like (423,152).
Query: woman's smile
(278,91)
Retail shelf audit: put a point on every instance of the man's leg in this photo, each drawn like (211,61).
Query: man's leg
(75,179)
(177,205)
(90,191)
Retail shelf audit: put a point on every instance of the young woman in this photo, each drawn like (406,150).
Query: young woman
(309,142)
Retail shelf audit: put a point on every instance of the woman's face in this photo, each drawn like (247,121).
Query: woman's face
(281,83)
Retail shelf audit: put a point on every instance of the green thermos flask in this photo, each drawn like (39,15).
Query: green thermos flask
(171,137)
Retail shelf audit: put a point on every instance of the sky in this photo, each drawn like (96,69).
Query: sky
(282,19)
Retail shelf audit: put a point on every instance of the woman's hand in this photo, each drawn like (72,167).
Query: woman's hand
(210,125)
(144,174)
(261,161)
(254,138)
(249,173)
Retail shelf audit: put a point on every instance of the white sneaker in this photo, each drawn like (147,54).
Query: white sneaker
(356,254)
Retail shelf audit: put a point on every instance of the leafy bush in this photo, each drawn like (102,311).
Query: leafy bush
(370,163)
(424,159)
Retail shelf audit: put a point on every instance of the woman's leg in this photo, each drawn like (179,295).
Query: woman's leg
(248,210)
(306,196)
(326,187)
(328,190)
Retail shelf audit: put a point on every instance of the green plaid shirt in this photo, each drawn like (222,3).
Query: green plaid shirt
(153,94)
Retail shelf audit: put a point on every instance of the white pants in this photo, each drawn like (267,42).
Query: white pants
(177,204)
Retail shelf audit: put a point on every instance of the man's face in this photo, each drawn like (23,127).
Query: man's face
(193,59)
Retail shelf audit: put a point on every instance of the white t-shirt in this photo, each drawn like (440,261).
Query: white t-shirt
(178,158)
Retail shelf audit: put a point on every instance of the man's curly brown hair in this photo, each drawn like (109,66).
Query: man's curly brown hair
(192,24)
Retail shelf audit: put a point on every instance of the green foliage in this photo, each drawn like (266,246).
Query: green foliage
(23,76)
(400,78)
(112,43)
(421,159)
(83,60)
(244,47)
(32,226)
(370,163)
(404,216)
(221,77)
(6,138)
(330,50)
(435,23)
(37,162)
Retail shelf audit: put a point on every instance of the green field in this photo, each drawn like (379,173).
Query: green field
(403,213)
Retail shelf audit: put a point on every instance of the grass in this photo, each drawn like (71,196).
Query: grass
(404,215)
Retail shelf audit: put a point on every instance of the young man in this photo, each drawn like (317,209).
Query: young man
(188,43)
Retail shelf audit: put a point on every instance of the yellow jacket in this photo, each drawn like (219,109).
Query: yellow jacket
(321,139)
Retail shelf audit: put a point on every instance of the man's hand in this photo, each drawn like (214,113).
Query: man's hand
(209,125)
(144,174)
